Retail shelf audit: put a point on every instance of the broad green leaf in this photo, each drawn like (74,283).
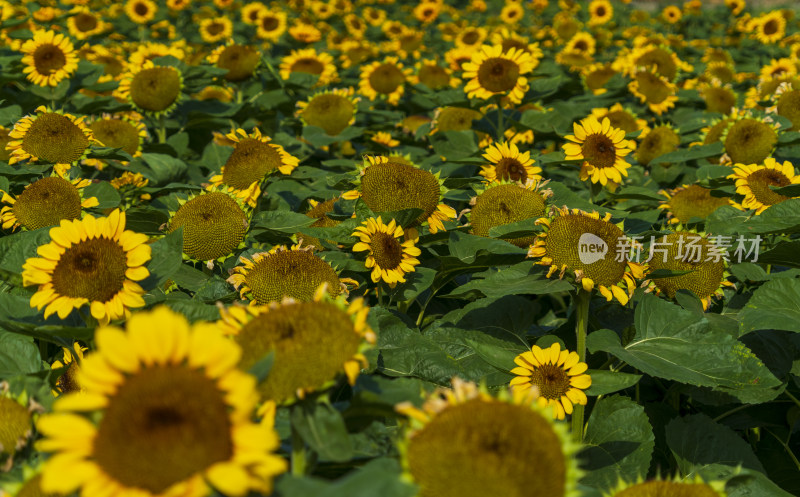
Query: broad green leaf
(605,382)
(776,305)
(526,227)
(15,249)
(380,477)
(466,248)
(107,196)
(283,221)
(740,482)
(619,443)
(784,254)
(521,279)
(166,257)
(321,426)
(416,283)
(687,154)
(161,168)
(18,355)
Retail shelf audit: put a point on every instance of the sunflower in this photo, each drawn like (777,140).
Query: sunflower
(384,138)
(332,110)
(736,6)
(214,225)
(305,32)
(50,136)
(722,71)
(457,57)
(151,89)
(17,417)
(622,118)
(508,163)
(434,76)
(787,103)
(427,11)
(112,62)
(465,442)
(178,5)
(93,261)
(251,11)
(284,272)
(48,58)
(690,487)
(386,78)
(595,76)
(68,381)
(654,90)
(215,92)
(508,39)
(313,342)
(309,61)
(45,202)
(389,186)
(141,11)
(215,29)
(778,68)
(600,12)
(671,14)
(388,257)
(165,412)
(688,201)
(252,160)
(693,252)
(583,43)
(718,98)
(754,181)
(491,72)
(125,131)
(454,119)
(558,375)
(749,140)
(565,243)
(769,28)
(271,24)
(658,141)
(148,51)
(4,139)
(241,61)
(602,148)
(130,185)
(504,203)
(511,13)
(84,24)
(319,211)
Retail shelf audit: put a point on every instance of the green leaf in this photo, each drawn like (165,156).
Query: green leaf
(676,344)
(619,443)
(107,196)
(283,221)
(18,355)
(380,477)
(416,283)
(322,428)
(526,227)
(697,440)
(521,279)
(16,248)
(403,217)
(467,248)
(605,382)
(687,154)
(637,193)
(740,482)
(455,144)
(319,138)
(784,254)
(165,259)
(776,305)
(162,169)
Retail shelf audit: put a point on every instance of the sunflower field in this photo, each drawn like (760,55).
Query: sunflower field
(359,248)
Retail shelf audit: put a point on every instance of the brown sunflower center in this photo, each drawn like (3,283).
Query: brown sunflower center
(117,133)
(330,112)
(770,27)
(68,382)
(599,150)
(652,87)
(497,74)
(564,247)
(386,78)
(251,160)
(215,28)
(16,425)
(269,23)
(55,138)
(239,60)
(49,58)
(393,186)
(310,65)
(386,250)
(93,269)
(509,43)
(694,201)
(760,181)
(85,22)
(290,273)
(311,340)
(155,89)
(213,226)
(580,45)
(509,168)
(750,141)
(141,9)
(688,252)
(162,426)
(46,202)
(482,448)
(668,489)
(553,381)
(600,11)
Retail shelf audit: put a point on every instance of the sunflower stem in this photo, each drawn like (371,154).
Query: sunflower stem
(500,125)
(582,298)
(299,459)
(162,128)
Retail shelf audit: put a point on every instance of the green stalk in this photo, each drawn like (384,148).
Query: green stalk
(582,298)
(501,130)
(299,457)
(162,128)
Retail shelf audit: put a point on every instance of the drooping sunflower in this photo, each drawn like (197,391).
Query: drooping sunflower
(657,142)
(693,252)
(305,32)
(16,428)
(754,181)
(688,201)
(385,139)
(50,136)
(252,160)
(83,23)
(787,103)
(215,92)
(750,140)
(769,28)
(45,202)
(385,78)
(507,202)
(91,261)
(314,342)
(600,12)
(602,148)
(465,442)
(654,90)
(123,130)
(557,374)
(719,98)
(595,77)
(215,29)
(434,76)
(454,119)
(564,246)
(284,272)
(130,185)
(388,257)
(692,487)
(72,358)
(389,186)
(141,11)
(214,225)
(241,61)
(309,61)
(332,110)
(271,24)
(492,72)
(165,412)
(48,58)
(508,163)
(622,118)
(152,90)
(319,211)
